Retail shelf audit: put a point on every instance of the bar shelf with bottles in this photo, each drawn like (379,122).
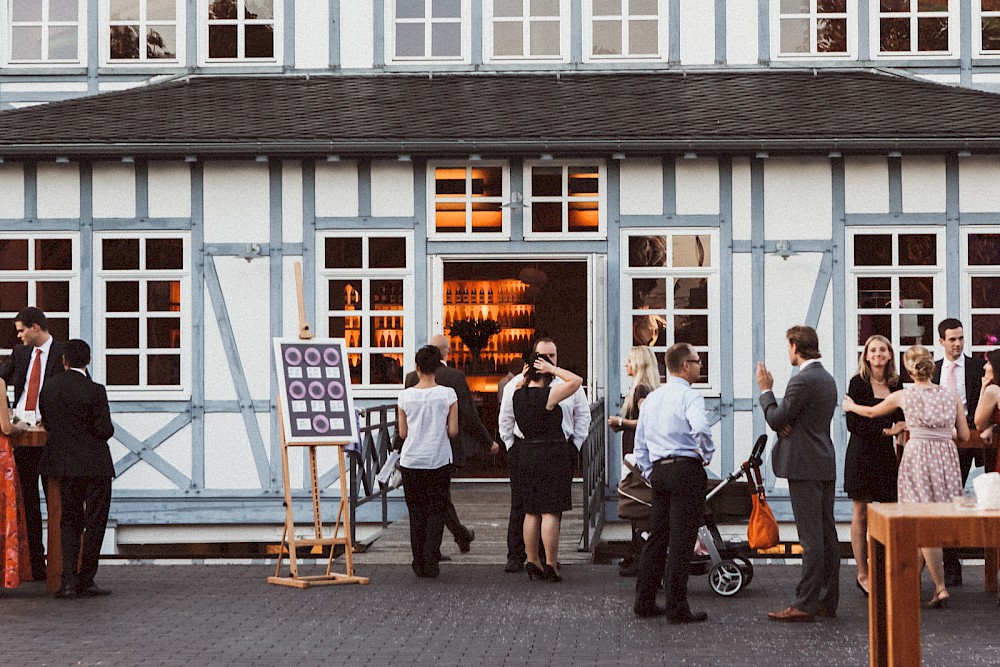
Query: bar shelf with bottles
(499,300)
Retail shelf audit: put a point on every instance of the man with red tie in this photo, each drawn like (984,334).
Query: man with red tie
(38,357)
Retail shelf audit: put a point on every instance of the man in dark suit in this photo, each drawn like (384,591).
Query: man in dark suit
(78,419)
(31,363)
(964,374)
(804,455)
(472,435)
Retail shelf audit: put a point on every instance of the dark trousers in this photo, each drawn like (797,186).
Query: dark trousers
(426,493)
(812,505)
(454,526)
(678,508)
(27,459)
(85,505)
(952,565)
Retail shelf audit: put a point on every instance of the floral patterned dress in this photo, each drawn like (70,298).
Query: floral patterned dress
(929,471)
(13,531)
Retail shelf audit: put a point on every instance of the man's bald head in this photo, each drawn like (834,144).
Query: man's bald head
(441,342)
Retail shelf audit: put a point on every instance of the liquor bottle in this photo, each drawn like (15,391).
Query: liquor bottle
(489,296)
(447,296)
(395,340)
(482,295)
(381,340)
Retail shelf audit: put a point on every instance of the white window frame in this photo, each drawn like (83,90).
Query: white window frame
(894,272)
(366,275)
(179,22)
(814,15)
(465,55)
(468,199)
(564,234)
(33,276)
(968,273)
(101,277)
(978,14)
(662,32)
(711,273)
(241,23)
(7,16)
(525,20)
(954,33)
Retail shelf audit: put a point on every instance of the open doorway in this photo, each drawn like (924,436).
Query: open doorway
(522,301)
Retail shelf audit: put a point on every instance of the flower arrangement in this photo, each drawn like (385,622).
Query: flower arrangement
(475,334)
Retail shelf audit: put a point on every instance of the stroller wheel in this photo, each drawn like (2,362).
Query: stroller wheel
(727,578)
(747,567)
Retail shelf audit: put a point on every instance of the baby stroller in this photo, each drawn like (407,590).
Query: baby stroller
(728,563)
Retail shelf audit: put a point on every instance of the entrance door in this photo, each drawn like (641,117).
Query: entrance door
(518,301)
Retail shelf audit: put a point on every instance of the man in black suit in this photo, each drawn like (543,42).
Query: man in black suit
(964,374)
(37,358)
(78,419)
(472,435)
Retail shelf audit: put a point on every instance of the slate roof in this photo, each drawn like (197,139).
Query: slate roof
(725,111)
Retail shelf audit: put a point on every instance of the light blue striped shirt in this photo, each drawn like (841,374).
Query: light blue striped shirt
(672,422)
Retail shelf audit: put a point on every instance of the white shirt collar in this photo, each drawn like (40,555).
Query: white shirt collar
(960,362)
(805,363)
(44,347)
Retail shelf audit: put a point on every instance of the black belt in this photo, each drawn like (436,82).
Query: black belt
(670,459)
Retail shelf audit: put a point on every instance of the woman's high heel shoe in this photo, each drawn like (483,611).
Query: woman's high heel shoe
(940,600)
(551,574)
(534,571)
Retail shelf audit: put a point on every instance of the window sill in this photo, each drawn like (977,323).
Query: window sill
(137,395)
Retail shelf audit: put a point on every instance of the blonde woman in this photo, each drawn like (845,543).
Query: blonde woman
(929,471)
(642,368)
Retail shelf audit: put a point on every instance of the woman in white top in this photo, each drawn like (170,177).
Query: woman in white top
(428,417)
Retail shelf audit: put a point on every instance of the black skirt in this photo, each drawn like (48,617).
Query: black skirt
(541,474)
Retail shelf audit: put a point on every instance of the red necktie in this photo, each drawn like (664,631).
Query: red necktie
(34,383)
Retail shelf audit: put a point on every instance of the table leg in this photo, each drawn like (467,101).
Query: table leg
(992,557)
(876,604)
(53,511)
(902,597)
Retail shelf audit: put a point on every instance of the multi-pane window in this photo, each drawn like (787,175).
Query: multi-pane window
(423,29)
(526,28)
(142,310)
(914,26)
(241,29)
(896,288)
(469,200)
(981,289)
(142,30)
(989,17)
(670,294)
(44,31)
(40,271)
(813,26)
(366,298)
(564,198)
(625,28)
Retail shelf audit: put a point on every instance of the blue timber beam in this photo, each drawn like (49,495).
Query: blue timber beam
(141,450)
(152,442)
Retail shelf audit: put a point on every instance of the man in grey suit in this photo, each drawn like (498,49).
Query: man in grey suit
(804,455)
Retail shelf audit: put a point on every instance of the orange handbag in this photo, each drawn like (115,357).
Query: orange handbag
(762,531)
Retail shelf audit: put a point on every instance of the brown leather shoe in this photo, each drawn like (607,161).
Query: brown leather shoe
(791,615)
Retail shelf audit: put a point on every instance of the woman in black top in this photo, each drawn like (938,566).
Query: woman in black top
(870,468)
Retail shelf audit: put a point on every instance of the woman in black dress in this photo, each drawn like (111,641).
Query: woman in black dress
(544,473)
(870,468)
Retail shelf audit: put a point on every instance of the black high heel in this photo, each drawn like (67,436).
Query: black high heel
(550,574)
(534,571)
(939,601)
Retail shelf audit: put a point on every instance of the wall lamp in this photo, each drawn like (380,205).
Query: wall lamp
(333,158)
(895,154)
(618,156)
(62,160)
(403,158)
(965,153)
(260,158)
(475,157)
(190,158)
(545,156)
(783,249)
(761,155)
(516,202)
(690,155)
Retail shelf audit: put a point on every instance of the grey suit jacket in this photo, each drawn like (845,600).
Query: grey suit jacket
(808,406)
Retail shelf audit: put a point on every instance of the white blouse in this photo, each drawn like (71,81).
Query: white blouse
(426,446)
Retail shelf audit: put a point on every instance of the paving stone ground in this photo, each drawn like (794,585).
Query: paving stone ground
(474,614)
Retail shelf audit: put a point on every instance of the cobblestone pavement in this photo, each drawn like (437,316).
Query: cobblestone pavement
(472,615)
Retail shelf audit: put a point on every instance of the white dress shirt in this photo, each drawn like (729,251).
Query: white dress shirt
(44,347)
(672,422)
(575,414)
(959,365)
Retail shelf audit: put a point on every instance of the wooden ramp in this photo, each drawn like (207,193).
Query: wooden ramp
(484,507)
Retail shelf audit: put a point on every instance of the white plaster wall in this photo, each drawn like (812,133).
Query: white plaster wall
(797,198)
(237,202)
(715,467)
(979,184)
(228,460)
(58,190)
(742,336)
(392,188)
(289,301)
(788,287)
(741,32)
(641,189)
(291,201)
(923,184)
(698,32)
(114,190)
(356,34)
(312,34)
(866,184)
(337,189)
(218,378)
(169,190)
(743,436)
(742,219)
(246,287)
(11,191)
(697,186)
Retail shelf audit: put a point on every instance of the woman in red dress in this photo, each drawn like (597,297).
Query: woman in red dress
(13,531)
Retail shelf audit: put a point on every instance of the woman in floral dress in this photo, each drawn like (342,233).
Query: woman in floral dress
(13,531)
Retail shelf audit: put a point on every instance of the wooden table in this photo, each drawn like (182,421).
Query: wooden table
(896,531)
(37,437)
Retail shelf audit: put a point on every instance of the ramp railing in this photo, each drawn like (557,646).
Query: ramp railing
(594,464)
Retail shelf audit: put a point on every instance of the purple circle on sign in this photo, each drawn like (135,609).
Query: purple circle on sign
(312,356)
(331,357)
(316,390)
(335,389)
(292,356)
(321,424)
(297,390)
